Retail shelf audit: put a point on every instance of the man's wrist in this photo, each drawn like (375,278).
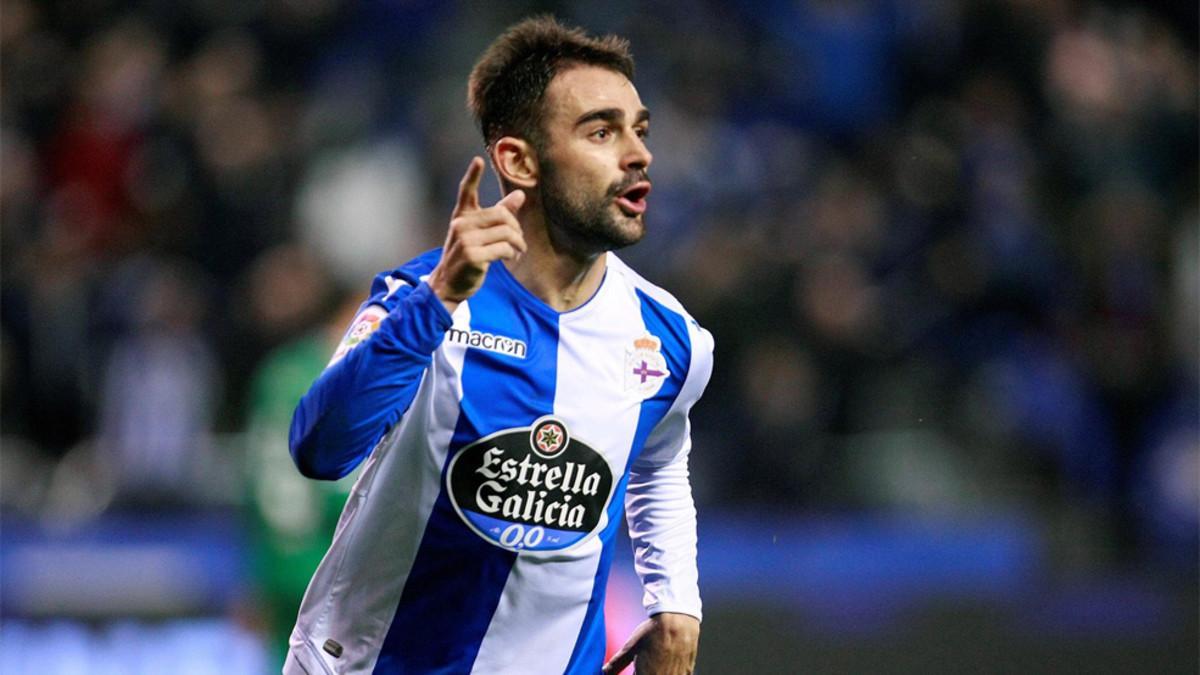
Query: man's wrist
(450,305)
(684,608)
(676,625)
(439,290)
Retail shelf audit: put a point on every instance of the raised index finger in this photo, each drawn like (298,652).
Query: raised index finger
(468,189)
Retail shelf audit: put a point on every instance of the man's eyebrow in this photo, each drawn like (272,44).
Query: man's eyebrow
(611,115)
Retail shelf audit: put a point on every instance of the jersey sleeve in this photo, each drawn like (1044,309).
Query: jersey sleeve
(373,376)
(659,508)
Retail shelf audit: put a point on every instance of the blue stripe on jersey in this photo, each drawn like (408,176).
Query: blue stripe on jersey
(671,329)
(589,645)
(457,577)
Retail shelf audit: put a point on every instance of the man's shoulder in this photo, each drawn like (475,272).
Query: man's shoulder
(391,285)
(649,291)
(418,267)
(686,345)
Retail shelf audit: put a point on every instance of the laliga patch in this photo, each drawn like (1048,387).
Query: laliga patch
(364,324)
(645,366)
(531,488)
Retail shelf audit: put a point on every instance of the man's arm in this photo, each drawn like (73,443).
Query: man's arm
(662,527)
(369,385)
(375,374)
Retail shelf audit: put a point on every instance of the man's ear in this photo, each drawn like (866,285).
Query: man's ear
(516,162)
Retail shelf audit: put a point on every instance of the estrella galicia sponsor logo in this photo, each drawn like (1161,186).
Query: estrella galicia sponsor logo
(492,343)
(531,488)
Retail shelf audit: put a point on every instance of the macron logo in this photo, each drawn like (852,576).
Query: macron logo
(487,341)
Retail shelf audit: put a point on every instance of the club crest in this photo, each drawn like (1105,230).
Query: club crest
(645,366)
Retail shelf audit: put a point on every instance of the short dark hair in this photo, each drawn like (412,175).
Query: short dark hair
(509,80)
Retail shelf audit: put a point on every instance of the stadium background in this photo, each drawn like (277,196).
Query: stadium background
(949,252)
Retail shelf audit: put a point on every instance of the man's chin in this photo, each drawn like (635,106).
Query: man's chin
(628,227)
(628,231)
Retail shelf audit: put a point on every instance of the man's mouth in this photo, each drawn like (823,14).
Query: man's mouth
(632,200)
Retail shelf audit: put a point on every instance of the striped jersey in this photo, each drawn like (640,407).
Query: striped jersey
(502,445)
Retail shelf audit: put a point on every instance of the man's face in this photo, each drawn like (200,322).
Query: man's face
(593,166)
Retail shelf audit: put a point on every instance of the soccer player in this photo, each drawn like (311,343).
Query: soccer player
(512,392)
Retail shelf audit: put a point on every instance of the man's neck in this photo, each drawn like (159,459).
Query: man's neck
(562,279)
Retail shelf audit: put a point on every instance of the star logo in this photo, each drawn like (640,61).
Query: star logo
(549,438)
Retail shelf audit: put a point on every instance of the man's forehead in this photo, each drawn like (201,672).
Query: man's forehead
(579,89)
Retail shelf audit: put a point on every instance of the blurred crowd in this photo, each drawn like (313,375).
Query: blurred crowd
(949,250)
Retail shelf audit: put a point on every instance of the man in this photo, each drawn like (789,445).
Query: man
(512,392)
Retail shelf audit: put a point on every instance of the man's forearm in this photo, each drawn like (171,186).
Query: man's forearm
(662,528)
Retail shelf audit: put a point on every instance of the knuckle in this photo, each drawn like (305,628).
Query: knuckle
(470,238)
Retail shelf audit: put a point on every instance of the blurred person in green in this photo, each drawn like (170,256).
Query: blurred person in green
(290,519)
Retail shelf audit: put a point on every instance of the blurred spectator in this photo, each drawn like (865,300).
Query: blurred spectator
(281,294)
(362,209)
(160,388)
(102,127)
(49,301)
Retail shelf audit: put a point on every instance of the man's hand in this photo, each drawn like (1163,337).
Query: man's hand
(665,644)
(476,238)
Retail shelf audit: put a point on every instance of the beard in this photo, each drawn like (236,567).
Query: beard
(588,224)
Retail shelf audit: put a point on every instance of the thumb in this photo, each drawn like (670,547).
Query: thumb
(625,655)
(513,201)
(619,662)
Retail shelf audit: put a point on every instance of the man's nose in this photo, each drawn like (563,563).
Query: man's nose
(637,156)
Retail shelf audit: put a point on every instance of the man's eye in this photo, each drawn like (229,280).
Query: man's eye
(643,132)
(601,134)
